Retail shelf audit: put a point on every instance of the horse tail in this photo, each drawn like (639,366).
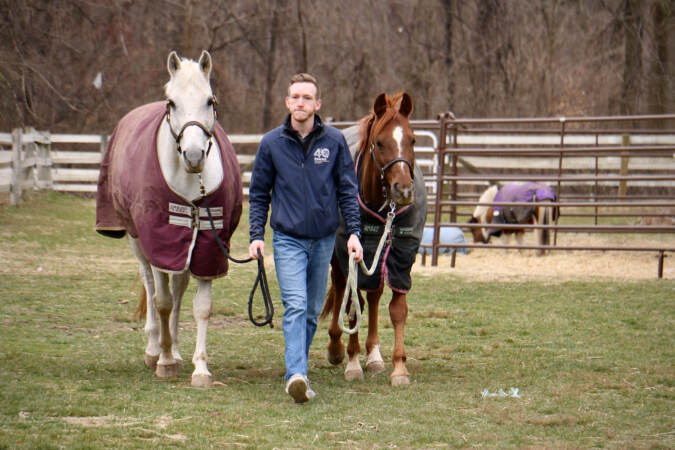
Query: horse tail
(330,301)
(142,307)
(333,295)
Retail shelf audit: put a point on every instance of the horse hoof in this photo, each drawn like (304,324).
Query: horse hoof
(400,380)
(375,367)
(202,381)
(179,364)
(352,375)
(335,360)
(167,370)
(151,361)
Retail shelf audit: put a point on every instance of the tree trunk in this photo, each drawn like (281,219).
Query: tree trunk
(659,94)
(270,75)
(632,68)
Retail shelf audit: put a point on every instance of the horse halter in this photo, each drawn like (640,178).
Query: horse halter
(383,169)
(179,136)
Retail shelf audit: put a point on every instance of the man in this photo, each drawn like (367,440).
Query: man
(304,169)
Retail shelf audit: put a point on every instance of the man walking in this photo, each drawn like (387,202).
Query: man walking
(304,170)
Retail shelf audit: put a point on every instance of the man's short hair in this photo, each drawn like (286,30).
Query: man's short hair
(305,78)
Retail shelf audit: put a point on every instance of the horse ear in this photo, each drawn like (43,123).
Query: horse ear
(173,63)
(406,107)
(380,105)
(205,63)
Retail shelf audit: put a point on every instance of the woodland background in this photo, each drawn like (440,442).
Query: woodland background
(477,58)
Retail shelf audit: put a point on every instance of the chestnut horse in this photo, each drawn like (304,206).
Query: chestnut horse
(514,192)
(389,183)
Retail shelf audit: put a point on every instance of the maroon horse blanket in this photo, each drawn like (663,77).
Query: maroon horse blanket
(133,197)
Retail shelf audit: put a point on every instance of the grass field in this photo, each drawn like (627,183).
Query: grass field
(593,362)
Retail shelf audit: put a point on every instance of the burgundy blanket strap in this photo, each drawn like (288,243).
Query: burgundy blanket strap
(260,280)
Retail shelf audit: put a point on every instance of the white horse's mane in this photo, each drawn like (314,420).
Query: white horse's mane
(191,75)
(486,197)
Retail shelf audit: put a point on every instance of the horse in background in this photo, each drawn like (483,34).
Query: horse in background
(389,182)
(169,178)
(494,214)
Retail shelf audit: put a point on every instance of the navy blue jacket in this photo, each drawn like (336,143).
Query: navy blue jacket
(305,180)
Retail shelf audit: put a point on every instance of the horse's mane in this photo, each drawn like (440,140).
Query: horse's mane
(487,197)
(191,75)
(365,124)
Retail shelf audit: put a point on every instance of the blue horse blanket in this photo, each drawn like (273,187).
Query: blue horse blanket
(448,235)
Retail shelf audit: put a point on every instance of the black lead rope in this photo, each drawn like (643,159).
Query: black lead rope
(260,280)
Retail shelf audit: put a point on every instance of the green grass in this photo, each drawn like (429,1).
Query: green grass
(594,362)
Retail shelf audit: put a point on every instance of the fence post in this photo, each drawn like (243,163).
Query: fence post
(29,162)
(442,119)
(43,161)
(623,184)
(16,192)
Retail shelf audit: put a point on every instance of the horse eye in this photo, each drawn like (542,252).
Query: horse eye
(172,105)
(412,142)
(379,144)
(211,101)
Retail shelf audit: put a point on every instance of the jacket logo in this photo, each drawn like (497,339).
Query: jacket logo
(321,155)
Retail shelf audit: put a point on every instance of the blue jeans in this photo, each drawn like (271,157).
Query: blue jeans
(302,272)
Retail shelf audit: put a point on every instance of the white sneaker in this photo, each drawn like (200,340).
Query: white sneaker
(310,393)
(297,388)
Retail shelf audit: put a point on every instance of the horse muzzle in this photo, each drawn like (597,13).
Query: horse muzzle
(194,160)
(403,194)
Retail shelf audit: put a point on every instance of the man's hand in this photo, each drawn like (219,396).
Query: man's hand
(354,246)
(254,247)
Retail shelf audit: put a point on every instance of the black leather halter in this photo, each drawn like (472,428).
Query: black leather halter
(179,136)
(383,169)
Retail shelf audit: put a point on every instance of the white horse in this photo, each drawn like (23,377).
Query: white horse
(165,215)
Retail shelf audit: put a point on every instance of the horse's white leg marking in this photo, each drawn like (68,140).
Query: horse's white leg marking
(520,238)
(179,283)
(375,363)
(353,371)
(151,324)
(201,377)
(163,301)
(505,238)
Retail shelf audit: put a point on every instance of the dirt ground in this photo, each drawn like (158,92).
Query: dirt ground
(561,265)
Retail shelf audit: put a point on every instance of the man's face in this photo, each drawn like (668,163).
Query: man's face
(302,102)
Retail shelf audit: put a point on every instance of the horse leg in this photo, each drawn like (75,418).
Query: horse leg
(163,302)
(505,238)
(398,311)
(179,283)
(353,371)
(520,239)
(544,216)
(151,324)
(201,377)
(375,363)
(336,349)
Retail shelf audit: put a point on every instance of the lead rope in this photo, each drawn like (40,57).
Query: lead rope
(354,311)
(261,278)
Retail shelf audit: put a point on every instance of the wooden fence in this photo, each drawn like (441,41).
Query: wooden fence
(600,167)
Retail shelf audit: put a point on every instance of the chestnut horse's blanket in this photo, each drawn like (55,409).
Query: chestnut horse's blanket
(398,254)
(133,197)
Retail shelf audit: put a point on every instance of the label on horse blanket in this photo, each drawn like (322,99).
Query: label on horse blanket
(398,254)
(133,197)
(520,192)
